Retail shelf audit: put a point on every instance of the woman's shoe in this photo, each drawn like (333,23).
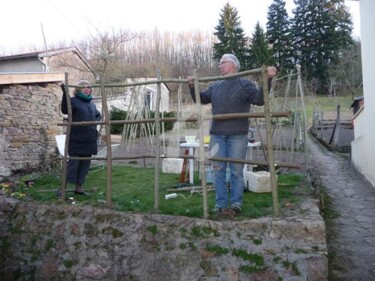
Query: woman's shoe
(80,192)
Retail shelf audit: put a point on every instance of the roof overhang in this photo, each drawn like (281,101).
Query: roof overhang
(29,78)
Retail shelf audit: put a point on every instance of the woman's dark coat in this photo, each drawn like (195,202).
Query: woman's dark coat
(83,139)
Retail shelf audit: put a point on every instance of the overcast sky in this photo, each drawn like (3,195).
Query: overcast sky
(22,21)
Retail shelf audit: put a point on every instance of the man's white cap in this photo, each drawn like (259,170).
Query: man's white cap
(231,58)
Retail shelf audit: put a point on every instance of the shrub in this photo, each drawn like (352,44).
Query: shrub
(119,114)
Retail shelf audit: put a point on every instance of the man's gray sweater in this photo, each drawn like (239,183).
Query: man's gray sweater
(231,96)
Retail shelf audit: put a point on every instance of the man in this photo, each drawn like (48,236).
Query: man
(229,136)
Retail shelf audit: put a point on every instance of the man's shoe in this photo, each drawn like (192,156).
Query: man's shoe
(217,210)
(223,212)
(236,208)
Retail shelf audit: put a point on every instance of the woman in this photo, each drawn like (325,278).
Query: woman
(83,139)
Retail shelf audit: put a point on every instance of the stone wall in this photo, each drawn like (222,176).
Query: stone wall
(29,115)
(70,242)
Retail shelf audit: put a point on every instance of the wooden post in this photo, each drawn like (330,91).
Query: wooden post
(321,124)
(201,144)
(68,129)
(338,121)
(271,160)
(108,138)
(304,114)
(157,136)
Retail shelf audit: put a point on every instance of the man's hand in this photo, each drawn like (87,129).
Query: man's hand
(190,81)
(271,71)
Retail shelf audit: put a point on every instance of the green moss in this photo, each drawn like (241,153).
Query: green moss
(254,258)
(35,256)
(153,229)
(291,266)
(300,251)
(61,215)
(100,218)
(169,248)
(257,241)
(184,232)
(5,242)
(18,224)
(209,269)
(217,249)
(112,231)
(117,233)
(90,230)
(182,246)
(76,213)
(34,239)
(68,263)
(200,232)
(286,264)
(315,248)
(327,210)
(49,244)
(192,246)
(77,245)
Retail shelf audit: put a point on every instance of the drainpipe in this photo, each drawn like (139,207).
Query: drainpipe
(45,65)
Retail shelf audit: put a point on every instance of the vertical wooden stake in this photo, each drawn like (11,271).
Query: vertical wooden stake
(157,136)
(271,160)
(201,144)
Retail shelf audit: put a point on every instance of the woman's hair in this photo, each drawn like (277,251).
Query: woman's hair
(83,84)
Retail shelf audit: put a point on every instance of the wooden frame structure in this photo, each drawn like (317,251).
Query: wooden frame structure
(199,119)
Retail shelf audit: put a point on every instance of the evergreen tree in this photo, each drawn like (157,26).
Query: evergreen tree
(279,35)
(259,50)
(322,30)
(230,35)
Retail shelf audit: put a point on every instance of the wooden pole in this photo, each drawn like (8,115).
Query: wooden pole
(108,138)
(338,121)
(157,136)
(66,148)
(321,124)
(203,79)
(201,144)
(304,115)
(187,119)
(271,160)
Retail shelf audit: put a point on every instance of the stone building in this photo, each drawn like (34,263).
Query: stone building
(30,98)
(29,117)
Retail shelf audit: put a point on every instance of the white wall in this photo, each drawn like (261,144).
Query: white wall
(364,144)
(139,93)
(24,65)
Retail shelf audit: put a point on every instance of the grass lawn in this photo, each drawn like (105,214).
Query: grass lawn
(133,191)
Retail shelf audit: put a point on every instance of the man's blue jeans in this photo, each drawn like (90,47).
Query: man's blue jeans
(233,146)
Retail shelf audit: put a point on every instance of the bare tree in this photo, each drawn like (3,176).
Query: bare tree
(104,53)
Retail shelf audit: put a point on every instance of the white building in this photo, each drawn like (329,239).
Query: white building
(363,149)
(136,97)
